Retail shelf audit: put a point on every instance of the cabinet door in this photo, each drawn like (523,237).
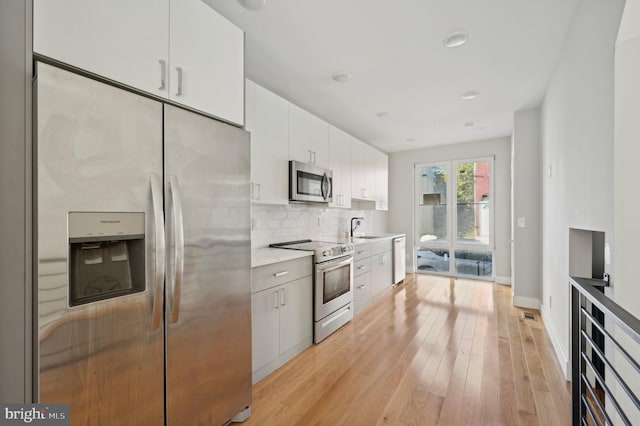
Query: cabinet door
(119,39)
(319,142)
(361,292)
(296,317)
(340,164)
(299,134)
(265,325)
(369,170)
(381,271)
(269,148)
(206,61)
(381,181)
(358,167)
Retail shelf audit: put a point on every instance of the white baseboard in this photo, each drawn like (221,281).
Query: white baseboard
(560,355)
(526,302)
(503,280)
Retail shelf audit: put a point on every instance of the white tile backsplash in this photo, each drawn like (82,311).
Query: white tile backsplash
(274,224)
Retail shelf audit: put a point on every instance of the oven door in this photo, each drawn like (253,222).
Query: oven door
(334,286)
(310,183)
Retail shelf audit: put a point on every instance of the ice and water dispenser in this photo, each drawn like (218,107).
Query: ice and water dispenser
(106,255)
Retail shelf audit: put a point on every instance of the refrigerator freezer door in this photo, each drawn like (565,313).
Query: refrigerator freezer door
(208,314)
(98,149)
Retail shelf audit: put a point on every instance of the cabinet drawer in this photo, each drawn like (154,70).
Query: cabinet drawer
(362,251)
(361,292)
(361,266)
(381,246)
(268,276)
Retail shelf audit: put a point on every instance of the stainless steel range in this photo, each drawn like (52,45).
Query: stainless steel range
(333,284)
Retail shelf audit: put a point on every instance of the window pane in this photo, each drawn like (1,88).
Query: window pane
(472,191)
(432,199)
(474,263)
(432,260)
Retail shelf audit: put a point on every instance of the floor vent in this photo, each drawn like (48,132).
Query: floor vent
(528,315)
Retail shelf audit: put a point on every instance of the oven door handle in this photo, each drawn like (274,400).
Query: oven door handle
(335,264)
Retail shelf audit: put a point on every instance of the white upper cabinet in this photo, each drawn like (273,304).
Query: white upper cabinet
(122,40)
(340,164)
(199,64)
(381,166)
(267,120)
(308,137)
(363,177)
(206,60)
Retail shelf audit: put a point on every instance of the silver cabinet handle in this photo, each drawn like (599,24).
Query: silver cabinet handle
(280,274)
(360,252)
(179,71)
(156,198)
(361,267)
(163,74)
(283,300)
(361,286)
(276,302)
(251,191)
(178,235)
(255,191)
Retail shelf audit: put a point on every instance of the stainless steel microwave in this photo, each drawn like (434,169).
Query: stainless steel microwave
(309,183)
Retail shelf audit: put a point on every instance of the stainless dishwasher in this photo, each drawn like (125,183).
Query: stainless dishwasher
(399,259)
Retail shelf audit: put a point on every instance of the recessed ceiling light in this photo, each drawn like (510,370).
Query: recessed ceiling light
(252,4)
(456,39)
(341,77)
(468,124)
(471,94)
(382,114)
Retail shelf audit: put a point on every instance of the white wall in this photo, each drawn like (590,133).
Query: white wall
(526,204)
(275,224)
(626,285)
(577,143)
(402,194)
(626,281)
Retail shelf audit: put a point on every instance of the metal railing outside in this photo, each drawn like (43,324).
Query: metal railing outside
(605,372)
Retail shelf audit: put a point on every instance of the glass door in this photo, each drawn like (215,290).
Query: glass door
(433,219)
(455,195)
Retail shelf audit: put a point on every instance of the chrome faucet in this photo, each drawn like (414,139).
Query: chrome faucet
(358,223)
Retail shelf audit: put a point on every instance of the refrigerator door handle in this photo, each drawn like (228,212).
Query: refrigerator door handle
(158,217)
(178,232)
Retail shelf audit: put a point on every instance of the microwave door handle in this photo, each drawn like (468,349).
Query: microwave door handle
(178,232)
(158,279)
(324,187)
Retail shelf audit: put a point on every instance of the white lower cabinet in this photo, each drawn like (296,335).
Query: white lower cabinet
(381,271)
(281,314)
(361,292)
(372,272)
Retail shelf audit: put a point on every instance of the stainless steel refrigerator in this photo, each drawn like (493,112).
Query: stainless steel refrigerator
(143,272)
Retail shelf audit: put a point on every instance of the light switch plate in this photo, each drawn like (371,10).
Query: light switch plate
(522,222)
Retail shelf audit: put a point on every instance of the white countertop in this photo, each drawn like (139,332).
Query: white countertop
(267,255)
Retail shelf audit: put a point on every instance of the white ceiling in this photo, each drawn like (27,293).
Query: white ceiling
(394,51)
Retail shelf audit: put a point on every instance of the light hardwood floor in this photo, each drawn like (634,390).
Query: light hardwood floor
(433,350)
